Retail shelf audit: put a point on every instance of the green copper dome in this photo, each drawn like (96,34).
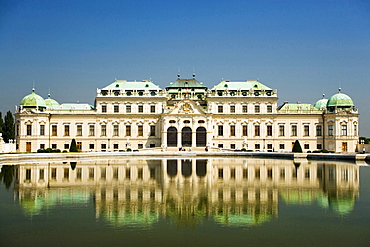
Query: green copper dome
(51,103)
(33,100)
(321,103)
(340,100)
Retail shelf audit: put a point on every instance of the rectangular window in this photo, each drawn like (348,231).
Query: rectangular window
(141,108)
(344,130)
(66,146)
(232,109)
(115,146)
(115,172)
(29,129)
(54,173)
(41,173)
(294,130)
(42,146)
(152,109)
(128,108)
(232,130)
(232,146)
(220,145)
(257,146)
(269,130)
(306,130)
(330,130)
(269,146)
(245,109)
(245,130)
(103,146)
(79,130)
(306,146)
(220,130)
(79,173)
(42,130)
(91,130)
(319,146)
(355,129)
(257,109)
(54,130)
(91,146)
(91,173)
(152,130)
(66,130)
(116,109)
(115,130)
(281,130)
(104,108)
(281,146)
(256,130)
(104,130)
(220,109)
(220,173)
(28,174)
(66,173)
(140,146)
(269,108)
(128,130)
(140,130)
(54,146)
(318,130)
(79,146)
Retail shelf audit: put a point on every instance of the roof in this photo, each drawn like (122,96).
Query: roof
(241,85)
(340,99)
(321,103)
(132,85)
(296,107)
(75,107)
(186,83)
(33,100)
(51,103)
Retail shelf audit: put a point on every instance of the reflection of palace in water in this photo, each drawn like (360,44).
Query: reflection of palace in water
(235,192)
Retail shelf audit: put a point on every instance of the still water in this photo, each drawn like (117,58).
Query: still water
(184,202)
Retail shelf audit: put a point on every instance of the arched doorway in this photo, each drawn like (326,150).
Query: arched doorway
(171,137)
(201,137)
(186,168)
(172,168)
(186,137)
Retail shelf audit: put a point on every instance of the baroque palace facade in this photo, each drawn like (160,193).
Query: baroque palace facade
(232,115)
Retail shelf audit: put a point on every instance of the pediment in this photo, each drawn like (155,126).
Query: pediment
(187,107)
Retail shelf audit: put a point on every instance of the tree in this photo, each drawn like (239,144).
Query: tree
(8,127)
(73,147)
(365,139)
(1,122)
(297,147)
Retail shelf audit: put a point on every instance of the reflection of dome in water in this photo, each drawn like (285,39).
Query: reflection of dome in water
(342,206)
(32,206)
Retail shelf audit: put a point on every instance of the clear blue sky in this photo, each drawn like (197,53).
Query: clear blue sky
(302,48)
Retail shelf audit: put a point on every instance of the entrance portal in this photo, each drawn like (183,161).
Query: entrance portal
(171,137)
(186,137)
(201,137)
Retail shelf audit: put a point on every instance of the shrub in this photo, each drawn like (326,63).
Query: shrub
(73,147)
(129,150)
(243,149)
(297,147)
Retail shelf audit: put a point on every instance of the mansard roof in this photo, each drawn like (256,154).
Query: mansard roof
(132,85)
(241,85)
(186,83)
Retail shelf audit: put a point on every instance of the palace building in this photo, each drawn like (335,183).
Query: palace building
(232,115)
